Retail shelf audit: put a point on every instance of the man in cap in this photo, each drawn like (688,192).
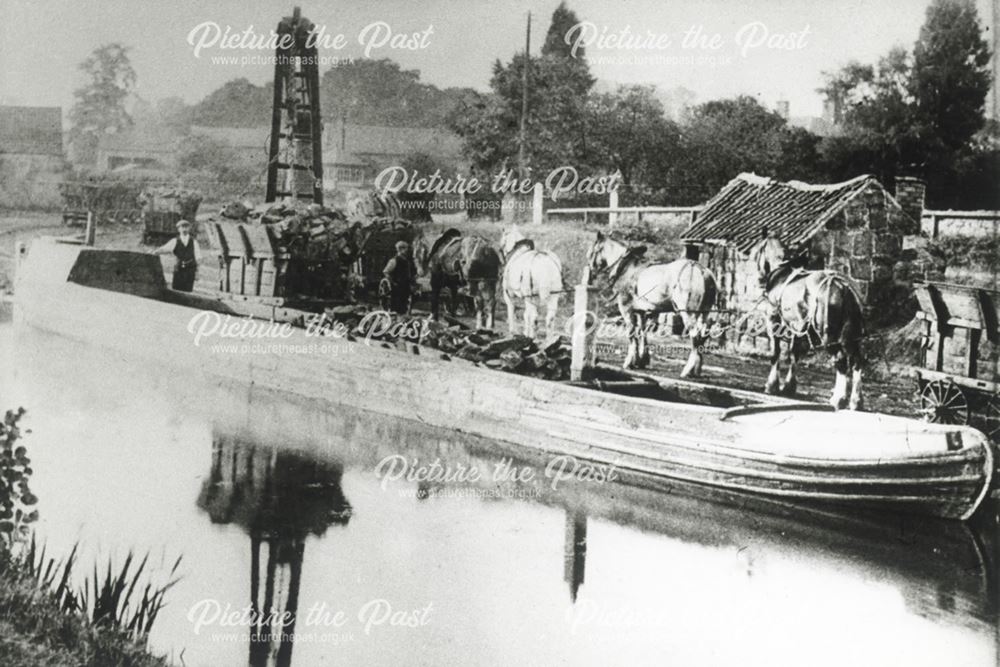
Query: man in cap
(401,274)
(185,251)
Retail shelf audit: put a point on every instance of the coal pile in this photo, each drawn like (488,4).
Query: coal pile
(549,360)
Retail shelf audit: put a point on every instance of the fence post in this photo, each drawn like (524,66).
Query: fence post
(536,204)
(90,235)
(582,358)
(613,203)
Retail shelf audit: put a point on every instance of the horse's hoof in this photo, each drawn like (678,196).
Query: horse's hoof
(771,389)
(789,388)
(857,404)
(837,403)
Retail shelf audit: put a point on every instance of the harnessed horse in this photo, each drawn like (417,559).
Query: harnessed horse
(818,308)
(643,289)
(454,260)
(530,274)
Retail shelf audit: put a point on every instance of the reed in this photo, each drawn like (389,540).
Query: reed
(110,597)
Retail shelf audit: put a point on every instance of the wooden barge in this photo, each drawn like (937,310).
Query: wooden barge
(732,440)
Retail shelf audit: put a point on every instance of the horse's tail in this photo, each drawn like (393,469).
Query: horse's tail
(835,325)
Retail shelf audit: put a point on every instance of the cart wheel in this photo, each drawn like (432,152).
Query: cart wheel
(944,402)
(991,418)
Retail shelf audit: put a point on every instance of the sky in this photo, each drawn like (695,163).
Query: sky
(772,49)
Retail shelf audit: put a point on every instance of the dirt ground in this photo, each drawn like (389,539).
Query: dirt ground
(888,388)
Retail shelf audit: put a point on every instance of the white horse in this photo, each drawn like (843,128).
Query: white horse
(533,276)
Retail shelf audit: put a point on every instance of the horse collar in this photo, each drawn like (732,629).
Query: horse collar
(616,270)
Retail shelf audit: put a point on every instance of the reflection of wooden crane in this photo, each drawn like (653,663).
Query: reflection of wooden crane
(575,554)
(295,154)
(278,498)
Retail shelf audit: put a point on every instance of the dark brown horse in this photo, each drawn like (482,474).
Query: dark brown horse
(811,309)
(455,261)
(643,289)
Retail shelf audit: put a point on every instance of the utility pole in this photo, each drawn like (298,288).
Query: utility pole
(524,101)
(522,170)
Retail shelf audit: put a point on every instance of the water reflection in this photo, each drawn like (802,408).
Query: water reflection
(576,551)
(278,498)
(519,571)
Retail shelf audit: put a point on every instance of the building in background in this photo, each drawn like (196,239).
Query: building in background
(150,148)
(32,159)
(353,155)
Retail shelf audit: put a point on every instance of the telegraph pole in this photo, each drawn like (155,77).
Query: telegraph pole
(524,101)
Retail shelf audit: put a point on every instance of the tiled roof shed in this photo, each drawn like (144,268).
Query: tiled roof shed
(855,228)
(793,211)
(31,130)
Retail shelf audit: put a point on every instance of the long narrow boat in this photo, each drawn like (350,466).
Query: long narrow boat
(738,441)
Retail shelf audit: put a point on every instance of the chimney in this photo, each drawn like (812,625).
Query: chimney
(782,108)
(910,195)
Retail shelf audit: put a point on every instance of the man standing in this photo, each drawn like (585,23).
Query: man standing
(401,273)
(185,250)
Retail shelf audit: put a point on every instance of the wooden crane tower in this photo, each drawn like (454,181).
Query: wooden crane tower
(295,152)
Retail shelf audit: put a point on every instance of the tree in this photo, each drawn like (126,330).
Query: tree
(358,90)
(558,88)
(563,20)
(100,104)
(212,161)
(238,103)
(723,138)
(877,116)
(918,112)
(629,132)
(951,76)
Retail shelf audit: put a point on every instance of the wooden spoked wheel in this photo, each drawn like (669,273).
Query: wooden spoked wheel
(991,418)
(944,402)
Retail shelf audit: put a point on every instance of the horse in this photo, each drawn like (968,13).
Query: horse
(454,260)
(530,274)
(643,289)
(821,308)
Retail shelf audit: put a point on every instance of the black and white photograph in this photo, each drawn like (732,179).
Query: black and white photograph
(524,332)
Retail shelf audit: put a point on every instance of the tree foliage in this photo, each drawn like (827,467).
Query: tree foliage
(556,122)
(359,90)
(919,112)
(629,132)
(100,106)
(563,20)
(722,138)
(238,103)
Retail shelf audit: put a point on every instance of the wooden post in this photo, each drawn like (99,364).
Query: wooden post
(20,250)
(536,204)
(582,359)
(90,235)
(613,204)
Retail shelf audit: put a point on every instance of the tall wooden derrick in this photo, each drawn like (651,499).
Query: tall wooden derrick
(295,155)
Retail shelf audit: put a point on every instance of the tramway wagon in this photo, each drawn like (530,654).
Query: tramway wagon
(958,379)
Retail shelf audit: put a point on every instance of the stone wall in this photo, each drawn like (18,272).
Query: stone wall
(936,224)
(865,242)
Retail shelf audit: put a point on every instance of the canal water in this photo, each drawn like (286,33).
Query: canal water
(482,556)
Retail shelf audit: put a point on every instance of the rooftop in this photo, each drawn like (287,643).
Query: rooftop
(793,211)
